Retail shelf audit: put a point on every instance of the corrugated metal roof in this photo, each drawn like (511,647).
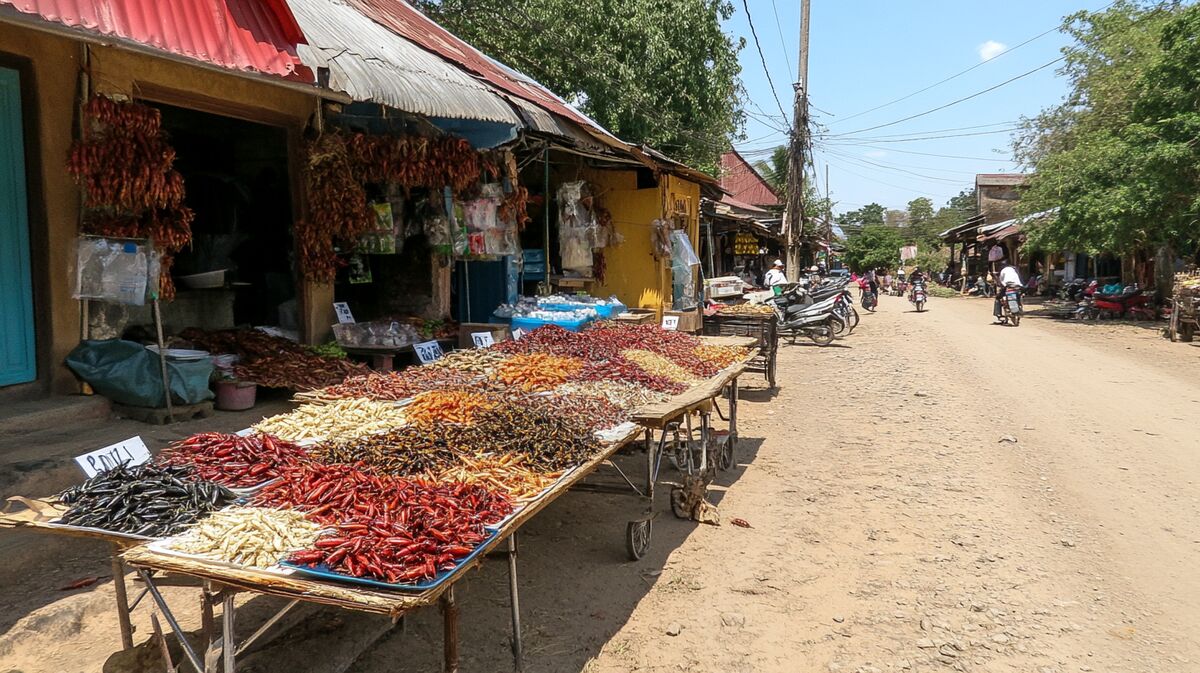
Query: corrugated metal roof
(373,64)
(412,24)
(741,180)
(254,35)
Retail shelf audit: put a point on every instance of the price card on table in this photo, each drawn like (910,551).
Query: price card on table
(482,339)
(518,333)
(344,315)
(670,322)
(132,451)
(429,351)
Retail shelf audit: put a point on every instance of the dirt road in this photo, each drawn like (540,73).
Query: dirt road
(934,494)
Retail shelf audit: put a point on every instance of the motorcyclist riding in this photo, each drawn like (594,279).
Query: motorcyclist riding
(1009,277)
(917,276)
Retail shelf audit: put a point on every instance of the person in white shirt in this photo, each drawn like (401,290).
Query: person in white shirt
(1008,276)
(775,276)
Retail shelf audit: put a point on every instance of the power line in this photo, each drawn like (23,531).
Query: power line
(963,99)
(934,154)
(782,42)
(892,164)
(862,141)
(763,59)
(915,133)
(859,161)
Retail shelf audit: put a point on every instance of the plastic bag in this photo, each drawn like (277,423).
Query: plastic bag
(126,373)
(115,271)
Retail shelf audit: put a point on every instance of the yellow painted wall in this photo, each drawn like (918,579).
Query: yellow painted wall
(54,63)
(633,274)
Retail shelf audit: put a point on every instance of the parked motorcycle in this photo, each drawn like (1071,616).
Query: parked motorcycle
(1010,306)
(816,320)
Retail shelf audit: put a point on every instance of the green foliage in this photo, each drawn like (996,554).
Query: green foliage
(661,73)
(855,221)
(920,211)
(1119,156)
(940,292)
(875,247)
(775,172)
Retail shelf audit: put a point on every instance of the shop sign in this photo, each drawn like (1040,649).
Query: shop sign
(130,452)
(670,322)
(745,244)
(429,351)
(344,316)
(482,339)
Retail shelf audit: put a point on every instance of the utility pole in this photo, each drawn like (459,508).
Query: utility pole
(828,209)
(796,148)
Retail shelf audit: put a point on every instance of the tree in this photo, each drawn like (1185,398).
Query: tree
(854,221)
(1119,157)
(661,73)
(876,247)
(895,218)
(920,211)
(775,172)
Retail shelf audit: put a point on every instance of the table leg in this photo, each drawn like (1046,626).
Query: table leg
(449,632)
(514,595)
(208,624)
(703,442)
(733,405)
(651,475)
(228,648)
(118,571)
(170,617)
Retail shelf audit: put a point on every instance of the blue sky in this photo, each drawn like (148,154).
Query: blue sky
(865,53)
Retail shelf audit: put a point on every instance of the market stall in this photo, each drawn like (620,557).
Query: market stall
(379,492)
(1185,307)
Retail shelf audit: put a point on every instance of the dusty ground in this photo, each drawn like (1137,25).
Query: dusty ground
(935,494)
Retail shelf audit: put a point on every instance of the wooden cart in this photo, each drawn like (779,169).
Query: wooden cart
(763,328)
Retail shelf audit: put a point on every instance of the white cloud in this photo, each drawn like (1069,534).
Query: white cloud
(991,49)
(875,154)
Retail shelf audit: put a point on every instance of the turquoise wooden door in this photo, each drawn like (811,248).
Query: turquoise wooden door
(17,363)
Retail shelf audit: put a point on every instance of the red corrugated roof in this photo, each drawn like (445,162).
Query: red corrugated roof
(413,25)
(740,179)
(255,35)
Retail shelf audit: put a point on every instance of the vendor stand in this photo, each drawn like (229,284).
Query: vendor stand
(225,579)
(762,326)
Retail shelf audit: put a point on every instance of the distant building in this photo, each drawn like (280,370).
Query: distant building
(996,195)
(744,183)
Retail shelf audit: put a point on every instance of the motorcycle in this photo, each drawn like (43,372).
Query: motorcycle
(816,320)
(1131,301)
(1010,306)
(918,296)
(869,299)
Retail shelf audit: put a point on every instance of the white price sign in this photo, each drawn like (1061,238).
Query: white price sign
(429,351)
(670,322)
(132,451)
(482,339)
(344,315)
(518,333)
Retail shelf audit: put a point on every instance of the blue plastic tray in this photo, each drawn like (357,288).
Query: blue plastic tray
(325,573)
(530,324)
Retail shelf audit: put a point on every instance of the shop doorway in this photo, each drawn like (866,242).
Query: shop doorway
(17,350)
(236,178)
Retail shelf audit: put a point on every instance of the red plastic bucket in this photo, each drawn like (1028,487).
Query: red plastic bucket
(236,395)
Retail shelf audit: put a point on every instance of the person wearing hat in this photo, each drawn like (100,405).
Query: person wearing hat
(775,276)
(814,275)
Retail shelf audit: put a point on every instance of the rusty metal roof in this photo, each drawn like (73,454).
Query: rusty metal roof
(251,35)
(374,64)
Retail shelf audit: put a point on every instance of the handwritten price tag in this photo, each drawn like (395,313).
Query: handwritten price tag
(482,339)
(130,452)
(429,351)
(344,315)
(670,322)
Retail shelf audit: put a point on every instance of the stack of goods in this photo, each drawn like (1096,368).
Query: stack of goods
(274,362)
(398,478)
(746,309)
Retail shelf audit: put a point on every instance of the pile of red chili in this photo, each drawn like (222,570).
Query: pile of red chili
(233,460)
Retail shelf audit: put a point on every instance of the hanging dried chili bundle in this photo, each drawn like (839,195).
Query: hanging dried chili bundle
(338,207)
(131,189)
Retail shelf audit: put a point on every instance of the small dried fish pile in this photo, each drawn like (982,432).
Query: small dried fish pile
(747,309)
(145,500)
(251,536)
(231,460)
(393,386)
(507,474)
(475,361)
(537,371)
(658,365)
(447,406)
(343,418)
(627,396)
(619,368)
(406,451)
(597,413)
(420,530)
(722,356)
